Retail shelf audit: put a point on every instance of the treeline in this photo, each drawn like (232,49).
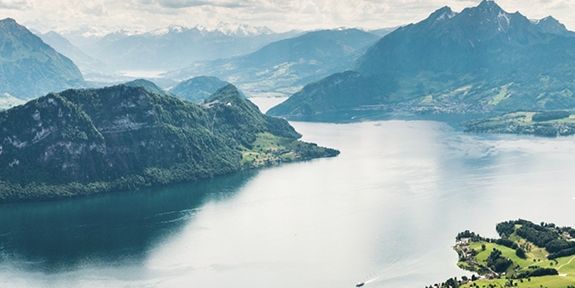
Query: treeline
(551,115)
(544,235)
(150,177)
(497,262)
(469,235)
(503,242)
(536,272)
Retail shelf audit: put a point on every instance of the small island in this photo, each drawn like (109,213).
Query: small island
(525,255)
(546,124)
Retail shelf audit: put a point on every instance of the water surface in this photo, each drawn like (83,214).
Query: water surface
(386,210)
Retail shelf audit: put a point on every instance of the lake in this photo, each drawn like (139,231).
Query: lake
(385,211)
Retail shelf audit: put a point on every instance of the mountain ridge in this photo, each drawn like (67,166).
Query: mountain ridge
(87,141)
(284,66)
(198,89)
(31,68)
(171,48)
(481,60)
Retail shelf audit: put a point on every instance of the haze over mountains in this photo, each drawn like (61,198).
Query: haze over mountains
(481,60)
(285,66)
(85,62)
(174,47)
(279,67)
(29,67)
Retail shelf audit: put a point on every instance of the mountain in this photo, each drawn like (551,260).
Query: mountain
(8,101)
(240,30)
(80,142)
(482,60)
(148,86)
(553,26)
(199,88)
(86,64)
(383,31)
(285,66)
(29,67)
(195,90)
(174,47)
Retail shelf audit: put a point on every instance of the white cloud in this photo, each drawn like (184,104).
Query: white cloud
(280,15)
(177,4)
(14,4)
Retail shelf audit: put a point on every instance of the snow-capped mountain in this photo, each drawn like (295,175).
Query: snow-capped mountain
(175,47)
(228,29)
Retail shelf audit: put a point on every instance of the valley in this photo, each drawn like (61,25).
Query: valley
(325,144)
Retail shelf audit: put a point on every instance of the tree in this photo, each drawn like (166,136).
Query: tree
(520,253)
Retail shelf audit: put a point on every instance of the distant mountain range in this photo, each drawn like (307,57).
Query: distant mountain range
(482,60)
(86,64)
(81,142)
(175,47)
(285,66)
(29,67)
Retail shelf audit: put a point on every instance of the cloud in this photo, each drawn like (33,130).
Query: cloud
(279,15)
(15,4)
(178,4)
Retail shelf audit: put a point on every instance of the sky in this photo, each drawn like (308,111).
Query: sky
(105,16)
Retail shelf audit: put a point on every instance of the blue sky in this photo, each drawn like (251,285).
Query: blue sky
(103,16)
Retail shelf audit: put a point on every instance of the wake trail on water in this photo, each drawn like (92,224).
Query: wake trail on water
(396,270)
(371,280)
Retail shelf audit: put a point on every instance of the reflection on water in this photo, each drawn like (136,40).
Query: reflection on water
(113,228)
(386,210)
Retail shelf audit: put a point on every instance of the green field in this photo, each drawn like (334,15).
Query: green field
(475,252)
(268,149)
(565,266)
(535,282)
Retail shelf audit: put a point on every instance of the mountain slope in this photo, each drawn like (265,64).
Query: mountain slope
(148,86)
(87,64)
(285,66)
(28,67)
(553,26)
(198,89)
(482,60)
(81,142)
